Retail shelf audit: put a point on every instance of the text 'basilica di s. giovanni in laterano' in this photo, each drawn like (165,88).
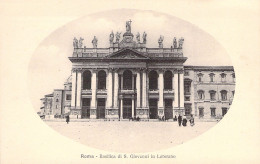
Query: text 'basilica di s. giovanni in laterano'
(129,80)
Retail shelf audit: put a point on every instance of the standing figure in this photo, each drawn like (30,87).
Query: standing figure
(175,118)
(192,121)
(118,37)
(138,37)
(68,119)
(179,119)
(80,42)
(111,37)
(75,42)
(144,37)
(174,42)
(184,121)
(160,41)
(128,26)
(181,40)
(94,42)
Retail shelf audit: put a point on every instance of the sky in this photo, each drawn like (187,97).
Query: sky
(49,66)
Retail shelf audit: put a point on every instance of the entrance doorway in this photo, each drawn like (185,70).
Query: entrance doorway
(101,108)
(127,108)
(153,105)
(85,108)
(168,109)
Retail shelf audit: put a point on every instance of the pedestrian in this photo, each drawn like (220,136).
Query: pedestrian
(192,121)
(179,119)
(175,118)
(67,119)
(184,121)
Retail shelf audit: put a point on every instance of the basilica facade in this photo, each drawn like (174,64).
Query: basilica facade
(129,80)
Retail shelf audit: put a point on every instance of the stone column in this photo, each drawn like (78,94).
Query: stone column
(93,106)
(138,89)
(144,94)
(176,92)
(78,103)
(73,90)
(109,89)
(133,107)
(116,89)
(173,101)
(181,90)
(121,109)
(161,88)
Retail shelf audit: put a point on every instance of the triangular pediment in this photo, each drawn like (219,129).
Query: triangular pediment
(127,54)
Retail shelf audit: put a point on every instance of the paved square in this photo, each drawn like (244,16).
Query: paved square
(127,136)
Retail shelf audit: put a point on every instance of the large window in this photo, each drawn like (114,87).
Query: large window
(127,80)
(223,95)
(212,95)
(102,79)
(168,80)
(87,80)
(200,94)
(153,80)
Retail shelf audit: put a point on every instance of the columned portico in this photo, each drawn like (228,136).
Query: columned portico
(127,79)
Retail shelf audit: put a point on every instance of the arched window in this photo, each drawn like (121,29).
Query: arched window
(127,80)
(223,95)
(153,80)
(87,79)
(102,79)
(168,80)
(201,95)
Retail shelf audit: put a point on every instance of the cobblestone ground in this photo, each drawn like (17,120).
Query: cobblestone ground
(129,136)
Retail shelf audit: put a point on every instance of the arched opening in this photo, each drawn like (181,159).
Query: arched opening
(168,80)
(102,79)
(87,79)
(153,80)
(127,80)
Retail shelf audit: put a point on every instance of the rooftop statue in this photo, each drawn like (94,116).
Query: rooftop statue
(94,42)
(144,37)
(111,37)
(128,26)
(174,42)
(181,40)
(160,41)
(138,37)
(75,42)
(80,42)
(118,37)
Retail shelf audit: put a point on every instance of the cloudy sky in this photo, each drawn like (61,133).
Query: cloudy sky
(49,66)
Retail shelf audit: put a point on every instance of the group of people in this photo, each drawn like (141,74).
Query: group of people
(183,120)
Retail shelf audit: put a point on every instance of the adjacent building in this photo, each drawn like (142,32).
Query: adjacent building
(128,80)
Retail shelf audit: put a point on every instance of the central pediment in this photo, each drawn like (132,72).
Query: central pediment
(127,54)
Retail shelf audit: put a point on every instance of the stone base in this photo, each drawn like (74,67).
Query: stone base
(179,111)
(93,113)
(160,112)
(112,113)
(142,113)
(75,116)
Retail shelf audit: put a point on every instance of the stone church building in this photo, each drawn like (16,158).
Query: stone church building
(128,80)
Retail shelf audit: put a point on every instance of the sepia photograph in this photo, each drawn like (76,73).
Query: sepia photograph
(146,83)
